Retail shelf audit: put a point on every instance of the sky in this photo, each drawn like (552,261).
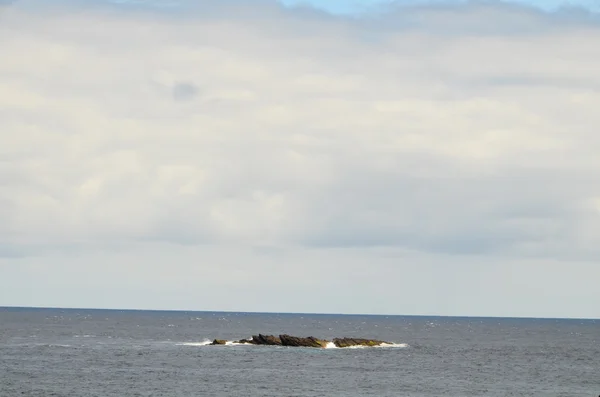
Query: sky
(360,7)
(422,159)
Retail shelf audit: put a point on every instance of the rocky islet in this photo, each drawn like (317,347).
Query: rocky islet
(310,341)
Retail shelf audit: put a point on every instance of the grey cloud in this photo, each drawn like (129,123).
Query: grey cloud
(14,252)
(184,91)
(495,215)
(333,132)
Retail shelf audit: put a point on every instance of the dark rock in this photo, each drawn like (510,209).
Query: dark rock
(261,339)
(311,341)
(218,342)
(348,342)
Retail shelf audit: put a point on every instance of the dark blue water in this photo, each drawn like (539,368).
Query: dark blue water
(54,352)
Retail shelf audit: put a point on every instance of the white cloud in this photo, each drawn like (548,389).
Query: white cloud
(297,131)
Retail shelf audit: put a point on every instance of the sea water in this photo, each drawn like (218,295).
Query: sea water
(57,352)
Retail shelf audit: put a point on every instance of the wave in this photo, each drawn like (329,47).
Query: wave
(41,345)
(208,342)
(402,345)
(332,345)
(205,342)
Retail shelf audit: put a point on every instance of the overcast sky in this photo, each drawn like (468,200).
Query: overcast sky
(240,155)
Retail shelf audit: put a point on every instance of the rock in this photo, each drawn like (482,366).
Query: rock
(311,341)
(348,342)
(261,339)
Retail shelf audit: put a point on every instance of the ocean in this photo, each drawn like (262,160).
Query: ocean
(84,353)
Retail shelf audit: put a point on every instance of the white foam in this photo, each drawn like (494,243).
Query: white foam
(393,345)
(205,342)
(235,343)
(332,345)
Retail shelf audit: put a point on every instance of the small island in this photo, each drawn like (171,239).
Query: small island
(310,341)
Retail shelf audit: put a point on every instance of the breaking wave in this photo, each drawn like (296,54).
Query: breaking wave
(394,345)
(205,342)
(332,345)
(233,343)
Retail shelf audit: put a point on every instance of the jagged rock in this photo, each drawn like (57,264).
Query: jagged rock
(261,339)
(246,341)
(311,341)
(348,342)
(218,342)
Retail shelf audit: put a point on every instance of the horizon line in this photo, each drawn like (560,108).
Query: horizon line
(300,313)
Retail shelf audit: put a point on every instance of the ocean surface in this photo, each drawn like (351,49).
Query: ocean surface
(56,352)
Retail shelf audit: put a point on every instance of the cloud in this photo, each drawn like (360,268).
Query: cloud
(424,131)
(184,91)
(286,133)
